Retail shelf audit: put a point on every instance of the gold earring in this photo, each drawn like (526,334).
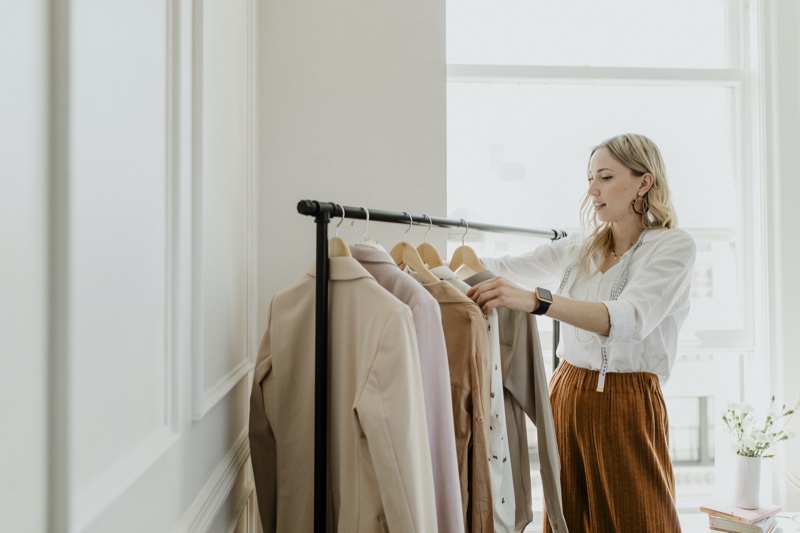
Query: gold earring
(639,205)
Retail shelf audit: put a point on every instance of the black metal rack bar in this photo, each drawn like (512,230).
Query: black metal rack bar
(313,207)
(323,212)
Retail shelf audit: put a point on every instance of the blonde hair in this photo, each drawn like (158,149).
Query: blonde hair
(640,155)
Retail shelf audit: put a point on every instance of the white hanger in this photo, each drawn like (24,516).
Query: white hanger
(367,240)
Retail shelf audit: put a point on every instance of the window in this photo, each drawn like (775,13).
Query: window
(533,85)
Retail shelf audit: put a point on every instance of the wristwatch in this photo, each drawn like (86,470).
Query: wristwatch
(545,299)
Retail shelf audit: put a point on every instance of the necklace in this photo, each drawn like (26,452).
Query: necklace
(614,253)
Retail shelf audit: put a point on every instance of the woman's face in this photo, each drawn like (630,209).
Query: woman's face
(612,187)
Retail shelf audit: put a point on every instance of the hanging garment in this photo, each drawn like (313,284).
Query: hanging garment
(379,465)
(502,477)
(525,392)
(468,358)
(435,380)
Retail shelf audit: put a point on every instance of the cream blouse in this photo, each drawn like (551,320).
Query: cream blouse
(645,318)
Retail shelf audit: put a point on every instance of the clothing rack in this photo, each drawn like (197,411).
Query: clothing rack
(322,213)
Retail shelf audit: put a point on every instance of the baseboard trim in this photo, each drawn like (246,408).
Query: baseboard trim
(205,507)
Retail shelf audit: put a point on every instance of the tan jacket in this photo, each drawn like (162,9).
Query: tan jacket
(379,465)
(468,355)
(435,380)
(526,392)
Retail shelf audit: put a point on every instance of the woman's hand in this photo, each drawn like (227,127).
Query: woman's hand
(499,292)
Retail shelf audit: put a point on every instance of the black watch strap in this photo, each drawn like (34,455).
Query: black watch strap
(545,298)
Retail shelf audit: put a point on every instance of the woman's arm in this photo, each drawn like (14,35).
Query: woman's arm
(499,292)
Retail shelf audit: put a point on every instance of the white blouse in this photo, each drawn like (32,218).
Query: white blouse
(646,317)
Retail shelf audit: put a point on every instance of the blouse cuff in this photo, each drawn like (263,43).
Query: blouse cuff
(623,323)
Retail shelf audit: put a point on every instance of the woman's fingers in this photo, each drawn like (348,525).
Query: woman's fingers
(499,292)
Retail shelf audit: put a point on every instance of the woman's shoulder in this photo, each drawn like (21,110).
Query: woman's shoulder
(672,238)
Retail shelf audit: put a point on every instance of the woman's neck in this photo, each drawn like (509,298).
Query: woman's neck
(625,236)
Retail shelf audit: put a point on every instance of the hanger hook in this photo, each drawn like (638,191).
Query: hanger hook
(466,230)
(366,224)
(336,231)
(410,223)
(430,225)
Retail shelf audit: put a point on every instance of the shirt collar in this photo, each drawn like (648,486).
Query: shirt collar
(443,272)
(444,292)
(342,268)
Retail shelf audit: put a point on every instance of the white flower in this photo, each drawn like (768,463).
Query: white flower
(753,435)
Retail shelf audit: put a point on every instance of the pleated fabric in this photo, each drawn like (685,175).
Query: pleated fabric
(616,474)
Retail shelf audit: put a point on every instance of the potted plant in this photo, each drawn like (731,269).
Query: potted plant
(753,441)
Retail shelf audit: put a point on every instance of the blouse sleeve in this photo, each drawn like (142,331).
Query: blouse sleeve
(539,268)
(654,293)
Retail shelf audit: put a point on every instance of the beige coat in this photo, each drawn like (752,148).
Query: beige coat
(379,464)
(525,392)
(435,380)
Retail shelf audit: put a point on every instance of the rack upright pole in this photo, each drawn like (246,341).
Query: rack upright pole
(321,375)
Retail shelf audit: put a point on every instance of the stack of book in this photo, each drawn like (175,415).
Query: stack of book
(726,517)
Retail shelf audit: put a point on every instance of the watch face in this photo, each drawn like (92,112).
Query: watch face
(544,295)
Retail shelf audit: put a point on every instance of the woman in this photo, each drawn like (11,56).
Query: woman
(622,293)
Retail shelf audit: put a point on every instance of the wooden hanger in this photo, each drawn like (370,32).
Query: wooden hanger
(465,261)
(404,254)
(428,252)
(337,247)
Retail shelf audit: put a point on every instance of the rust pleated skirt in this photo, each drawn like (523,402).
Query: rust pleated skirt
(616,474)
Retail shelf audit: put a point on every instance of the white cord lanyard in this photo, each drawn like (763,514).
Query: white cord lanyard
(616,290)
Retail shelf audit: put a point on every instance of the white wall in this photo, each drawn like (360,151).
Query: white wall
(23,265)
(174,157)
(128,279)
(352,111)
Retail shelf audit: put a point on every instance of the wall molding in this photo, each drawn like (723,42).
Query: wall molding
(206,506)
(783,471)
(175,241)
(91,502)
(213,395)
(245,508)
(252,167)
(204,398)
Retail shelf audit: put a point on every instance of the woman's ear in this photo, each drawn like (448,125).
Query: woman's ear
(647,181)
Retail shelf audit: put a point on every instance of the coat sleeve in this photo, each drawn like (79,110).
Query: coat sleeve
(390,409)
(263,447)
